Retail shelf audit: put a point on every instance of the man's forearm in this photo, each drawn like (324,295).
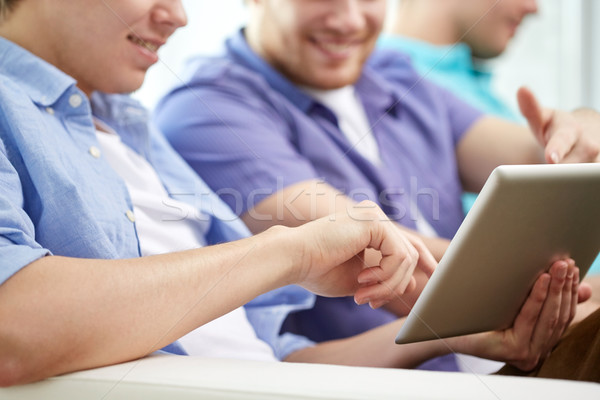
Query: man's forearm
(375,348)
(63,314)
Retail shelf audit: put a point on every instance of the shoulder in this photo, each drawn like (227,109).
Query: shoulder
(12,94)
(384,60)
(397,69)
(16,106)
(223,74)
(215,83)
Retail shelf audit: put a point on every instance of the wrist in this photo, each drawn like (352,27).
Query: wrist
(287,250)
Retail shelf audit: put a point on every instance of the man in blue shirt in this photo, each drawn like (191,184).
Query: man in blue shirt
(298,119)
(93,203)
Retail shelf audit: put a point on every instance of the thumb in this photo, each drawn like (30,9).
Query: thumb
(536,116)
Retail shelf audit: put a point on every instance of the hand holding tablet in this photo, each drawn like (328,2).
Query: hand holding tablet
(525,219)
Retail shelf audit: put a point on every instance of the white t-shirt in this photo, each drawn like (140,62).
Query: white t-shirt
(352,119)
(354,123)
(165,225)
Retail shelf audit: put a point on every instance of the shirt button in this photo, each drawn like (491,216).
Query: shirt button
(95,152)
(75,100)
(130,215)
(50,110)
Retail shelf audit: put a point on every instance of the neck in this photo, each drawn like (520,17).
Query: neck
(25,27)
(414,19)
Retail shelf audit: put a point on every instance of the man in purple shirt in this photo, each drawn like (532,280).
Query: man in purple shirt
(297,100)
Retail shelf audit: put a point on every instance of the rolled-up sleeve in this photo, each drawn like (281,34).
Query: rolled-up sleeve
(267,312)
(18,247)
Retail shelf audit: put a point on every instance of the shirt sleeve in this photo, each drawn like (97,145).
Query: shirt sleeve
(235,137)
(18,247)
(267,312)
(461,115)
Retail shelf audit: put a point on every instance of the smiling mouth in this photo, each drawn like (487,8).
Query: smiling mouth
(140,42)
(334,47)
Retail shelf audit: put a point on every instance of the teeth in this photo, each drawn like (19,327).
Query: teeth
(152,47)
(333,47)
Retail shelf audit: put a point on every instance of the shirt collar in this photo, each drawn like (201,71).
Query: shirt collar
(370,86)
(120,109)
(126,116)
(376,93)
(456,56)
(43,82)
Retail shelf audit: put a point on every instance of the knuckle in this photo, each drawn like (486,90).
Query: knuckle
(593,151)
(531,363)
(522,353)
(552,323)
(414,254)
(564,320)
(539,297)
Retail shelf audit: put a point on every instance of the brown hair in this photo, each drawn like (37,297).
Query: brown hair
(6,6)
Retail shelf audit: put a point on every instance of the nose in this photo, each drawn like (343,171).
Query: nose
(346,16)
(170,13)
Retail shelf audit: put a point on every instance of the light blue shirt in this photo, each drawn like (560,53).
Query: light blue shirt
(59,196)
(452,67)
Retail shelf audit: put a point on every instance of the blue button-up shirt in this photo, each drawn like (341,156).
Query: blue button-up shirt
(250,132)
(58,196)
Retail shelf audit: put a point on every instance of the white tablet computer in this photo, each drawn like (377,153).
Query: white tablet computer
(525,217)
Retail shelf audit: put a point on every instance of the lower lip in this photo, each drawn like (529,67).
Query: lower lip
(335,55)
(148,55)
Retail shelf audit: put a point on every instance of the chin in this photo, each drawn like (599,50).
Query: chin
(489,52)
(335,80)
(126,86)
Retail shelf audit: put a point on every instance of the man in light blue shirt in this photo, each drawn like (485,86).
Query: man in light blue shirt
(75,292)
(94,220)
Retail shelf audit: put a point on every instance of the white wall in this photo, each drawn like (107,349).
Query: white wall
(553,53)
(550,54)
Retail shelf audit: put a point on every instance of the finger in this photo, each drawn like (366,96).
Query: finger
(530,311)
(561,144)
(379,294)
(536,116)
(399,259)
(568,298)
(584,292)
(378,303)
(412,285)
(405,274)
(575,298)
(427,262)
(549,317)
(583,150)
(384,290)
(388,267)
